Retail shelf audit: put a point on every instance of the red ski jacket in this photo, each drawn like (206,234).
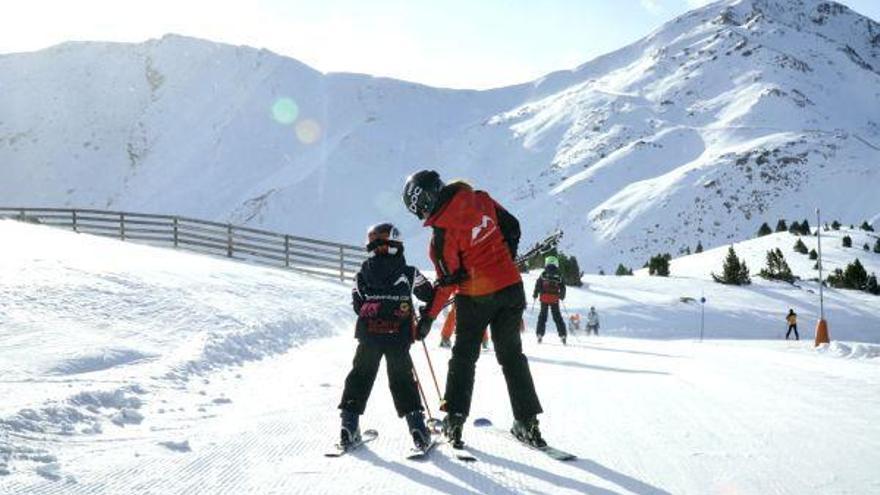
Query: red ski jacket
(473,245)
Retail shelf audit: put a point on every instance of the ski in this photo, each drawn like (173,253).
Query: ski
(461,454)
(417,454)
(550,451)
(366,437)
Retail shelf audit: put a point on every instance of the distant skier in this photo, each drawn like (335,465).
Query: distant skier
(551,290)
(574,323)
(593,321)
(382,299)
(791,319)
(473,248)
(449,329)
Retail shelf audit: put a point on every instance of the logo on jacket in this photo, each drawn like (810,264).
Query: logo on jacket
(482,231)
(402,280)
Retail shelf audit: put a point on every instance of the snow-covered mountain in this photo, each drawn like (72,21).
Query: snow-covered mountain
(735,113)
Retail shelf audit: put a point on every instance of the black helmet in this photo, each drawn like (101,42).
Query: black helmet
(384,238)
(421,191)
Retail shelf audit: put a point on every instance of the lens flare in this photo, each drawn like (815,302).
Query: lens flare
(285,111)
(308,131)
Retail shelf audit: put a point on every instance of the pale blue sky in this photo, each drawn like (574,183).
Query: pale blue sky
(452,43)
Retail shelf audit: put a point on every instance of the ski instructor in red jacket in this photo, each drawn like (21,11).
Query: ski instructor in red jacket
(473,248)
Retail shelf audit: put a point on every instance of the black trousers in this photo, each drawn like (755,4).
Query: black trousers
(790,328)
(502,311)
(557,318)
(365,367)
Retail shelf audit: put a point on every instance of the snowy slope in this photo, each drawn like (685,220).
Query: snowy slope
(134,369)
(734,110)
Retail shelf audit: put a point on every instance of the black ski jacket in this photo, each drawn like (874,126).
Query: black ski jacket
(382,299)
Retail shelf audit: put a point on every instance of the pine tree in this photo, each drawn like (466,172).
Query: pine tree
(622,270)
(699,248)
(781,226)
(777,268)
(764,230)
(734,271)
(871,286)
(805,227)
(847,241)
(877,246)
(813,254)
(853,276)
(659,265)
(866,247)
(866,226)
(800,247)
(795,228)
(835,225)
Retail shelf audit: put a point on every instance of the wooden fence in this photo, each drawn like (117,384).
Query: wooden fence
(311,256)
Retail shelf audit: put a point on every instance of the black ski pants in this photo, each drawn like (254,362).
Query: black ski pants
(502,311)
(557,318)
(790,328)
(365,367)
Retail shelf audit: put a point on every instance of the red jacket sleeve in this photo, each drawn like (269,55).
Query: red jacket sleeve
(450,272)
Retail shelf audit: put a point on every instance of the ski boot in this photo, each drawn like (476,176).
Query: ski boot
(452,426)
(485,345)
(527,431)
(564,339)
(415,420)
(350,433)
(445,343)
(540,337)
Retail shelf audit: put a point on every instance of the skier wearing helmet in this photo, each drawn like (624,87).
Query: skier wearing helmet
(551,289)
(382,299)
(473,248)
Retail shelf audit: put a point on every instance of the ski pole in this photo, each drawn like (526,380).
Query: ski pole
(431,367)
(422,393)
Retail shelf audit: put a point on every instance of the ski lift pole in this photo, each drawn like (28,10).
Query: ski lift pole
(702,315)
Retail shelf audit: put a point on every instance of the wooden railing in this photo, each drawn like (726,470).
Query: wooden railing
(311,256)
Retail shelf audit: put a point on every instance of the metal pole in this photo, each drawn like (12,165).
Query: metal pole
(175,226)
(819,262)
(229,240)
(74,221)
(286,251)
(702,315)
(122,226)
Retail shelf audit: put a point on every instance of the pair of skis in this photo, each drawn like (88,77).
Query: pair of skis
(461,454)
(368,436)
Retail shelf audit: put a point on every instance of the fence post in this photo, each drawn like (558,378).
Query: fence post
(175,231)
(122,226)
(341,264)
(229,240)
(74,220)
(286,251)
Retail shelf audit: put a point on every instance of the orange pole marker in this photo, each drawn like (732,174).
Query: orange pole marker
(822,332)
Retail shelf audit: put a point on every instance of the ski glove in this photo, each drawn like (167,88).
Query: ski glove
(423,327)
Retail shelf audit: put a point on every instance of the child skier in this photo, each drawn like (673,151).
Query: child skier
(382,299)
(791,319)
(551,289)
(593,321)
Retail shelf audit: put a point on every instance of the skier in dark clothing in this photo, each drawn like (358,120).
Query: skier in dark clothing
(385,327)
(551,289)
(473,248)
(791,319)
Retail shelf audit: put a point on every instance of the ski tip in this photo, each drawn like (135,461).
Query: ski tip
(482,422)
